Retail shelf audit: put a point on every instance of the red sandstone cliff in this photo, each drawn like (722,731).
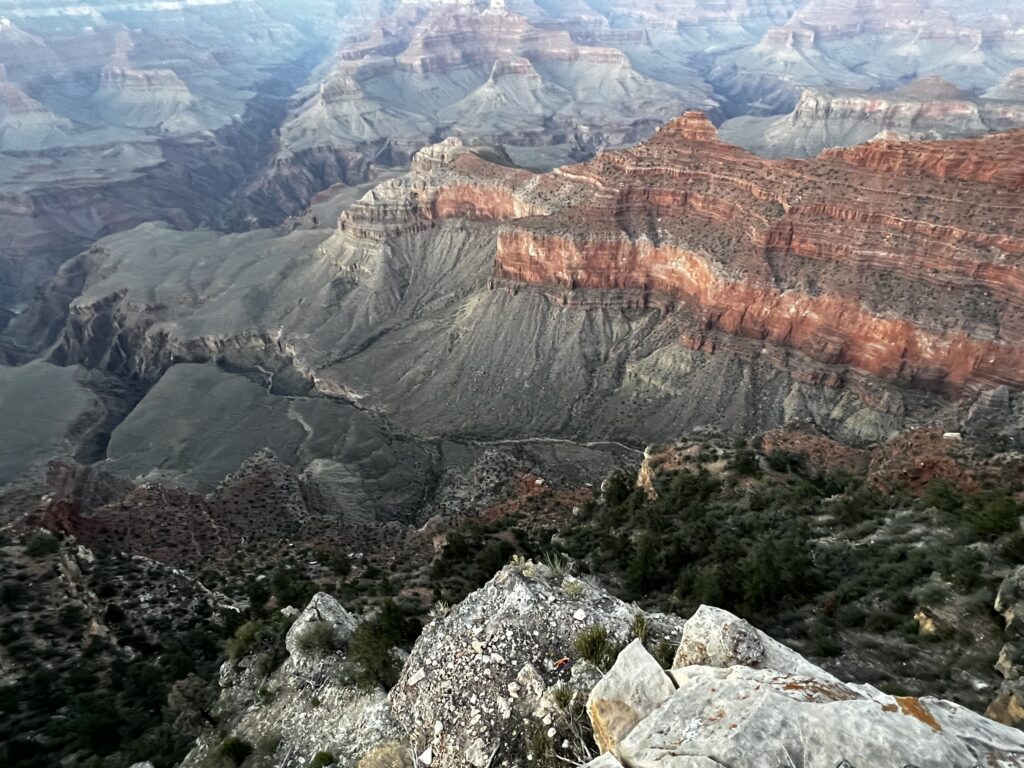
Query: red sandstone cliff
(903,260)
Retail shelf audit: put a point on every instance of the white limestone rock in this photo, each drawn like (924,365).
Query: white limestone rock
(489,663)
(716,638)
(749,718)
(634,687)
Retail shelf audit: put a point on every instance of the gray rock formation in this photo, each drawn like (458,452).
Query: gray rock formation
(715,638)
(635,687)
(762,704)
(303,707)
(1008,705)
(929,108)
(321,609)
(502,677)
(480,678)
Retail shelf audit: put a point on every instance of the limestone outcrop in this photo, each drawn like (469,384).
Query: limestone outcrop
(1008,705)
(513,675)
(480,679)
(322,609)
(760,704)
(632,689)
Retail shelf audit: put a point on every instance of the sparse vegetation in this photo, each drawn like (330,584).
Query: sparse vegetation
(372,645)
(320,638)
(322,759)
(562,695)
(41,543)
(665,653)
(807,556)
(235,749)
(596,646)
(573,589)
(640,630)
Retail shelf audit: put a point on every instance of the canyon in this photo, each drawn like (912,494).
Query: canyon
(682,283)
(709,301)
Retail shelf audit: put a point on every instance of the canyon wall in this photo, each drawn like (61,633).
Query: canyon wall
(901,260)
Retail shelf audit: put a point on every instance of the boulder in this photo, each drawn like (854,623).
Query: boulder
(322,607)
(751,718)
(634,687)
(746,701)
(716,638)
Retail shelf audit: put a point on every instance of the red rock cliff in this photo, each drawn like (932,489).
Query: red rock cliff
(904,260)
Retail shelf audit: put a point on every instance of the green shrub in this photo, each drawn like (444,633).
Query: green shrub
(786,461)
(242,641)
(320,638)
(541,748)
(664,653)
(943,496)
(371,646)
(13,593)
(618,488)
(41,543)
(883,621)
(322,759)
(235,749)
(993,517)
(823,640)
(745,464)
(1013,548)
(640,629)
(594,645)
(561,696)
(966,568)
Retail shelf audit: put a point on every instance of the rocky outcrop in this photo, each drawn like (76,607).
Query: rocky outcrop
(715,638)
(1008,705)
(740,701)
(632,689)
(322,609)
(503,679)
(483,678)
(303,707)
(782,252)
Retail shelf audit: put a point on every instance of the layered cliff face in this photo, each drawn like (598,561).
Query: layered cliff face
(682,282)
(929,108)
(849,259)
(483,73)
(824,43)
(116,113)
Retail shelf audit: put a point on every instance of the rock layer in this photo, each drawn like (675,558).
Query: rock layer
(902,260)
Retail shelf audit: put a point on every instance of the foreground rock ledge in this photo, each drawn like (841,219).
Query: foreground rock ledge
(753,703)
